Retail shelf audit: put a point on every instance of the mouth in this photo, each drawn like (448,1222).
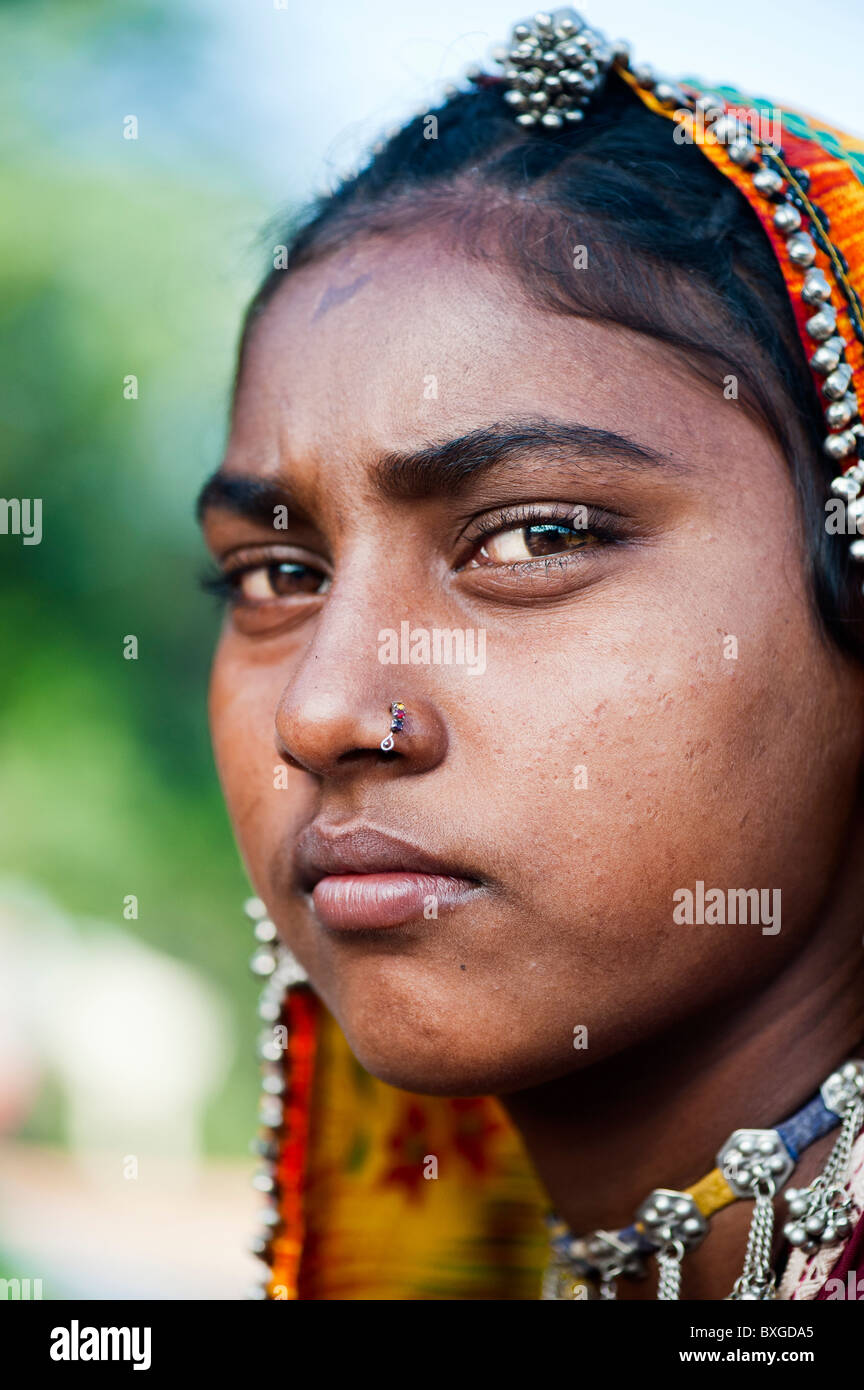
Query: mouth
(366,878)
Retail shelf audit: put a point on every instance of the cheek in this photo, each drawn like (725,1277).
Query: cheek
(657,759)
(242,704)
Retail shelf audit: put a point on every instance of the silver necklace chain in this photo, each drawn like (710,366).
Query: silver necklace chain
(755,1163)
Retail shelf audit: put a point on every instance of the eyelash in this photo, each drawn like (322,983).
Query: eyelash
(222,584)
(600,524)
(603,526)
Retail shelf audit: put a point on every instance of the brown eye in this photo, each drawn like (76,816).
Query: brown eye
(534,542)
(281,579)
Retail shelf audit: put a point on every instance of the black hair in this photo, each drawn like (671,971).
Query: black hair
(676,253)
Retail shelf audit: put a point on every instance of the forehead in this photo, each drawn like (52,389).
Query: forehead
(393,342)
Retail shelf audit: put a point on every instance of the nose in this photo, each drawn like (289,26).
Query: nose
(334,713)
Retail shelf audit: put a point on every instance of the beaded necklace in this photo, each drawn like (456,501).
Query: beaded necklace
(754,1164)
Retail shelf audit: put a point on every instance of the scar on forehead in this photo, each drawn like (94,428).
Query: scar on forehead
(339,294)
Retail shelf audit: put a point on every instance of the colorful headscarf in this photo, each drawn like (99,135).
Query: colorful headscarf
(377,1193)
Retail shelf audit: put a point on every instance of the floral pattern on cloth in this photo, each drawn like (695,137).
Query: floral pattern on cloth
(410,1196)
(805,1276)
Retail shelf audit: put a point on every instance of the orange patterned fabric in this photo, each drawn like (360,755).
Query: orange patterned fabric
(835,164)
(403,1196)
(388,1195)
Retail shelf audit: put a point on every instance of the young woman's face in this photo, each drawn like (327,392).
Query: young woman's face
(642,703)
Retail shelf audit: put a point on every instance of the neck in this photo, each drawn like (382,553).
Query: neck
(601,1139)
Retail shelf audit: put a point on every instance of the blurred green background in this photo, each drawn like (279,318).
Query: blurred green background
(118,257)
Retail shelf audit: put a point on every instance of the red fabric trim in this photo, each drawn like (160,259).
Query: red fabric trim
(299,1015)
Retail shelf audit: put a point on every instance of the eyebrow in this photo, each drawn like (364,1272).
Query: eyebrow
(243,494)
(452,466)
(447,468)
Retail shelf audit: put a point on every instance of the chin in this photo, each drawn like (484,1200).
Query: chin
(425,1077)
(462,1059)
(433,1030)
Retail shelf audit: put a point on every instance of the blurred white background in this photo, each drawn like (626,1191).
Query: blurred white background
(311,86)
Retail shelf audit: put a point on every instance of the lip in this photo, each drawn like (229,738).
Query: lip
(363,877)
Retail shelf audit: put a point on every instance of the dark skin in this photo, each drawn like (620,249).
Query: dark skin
(603,650)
